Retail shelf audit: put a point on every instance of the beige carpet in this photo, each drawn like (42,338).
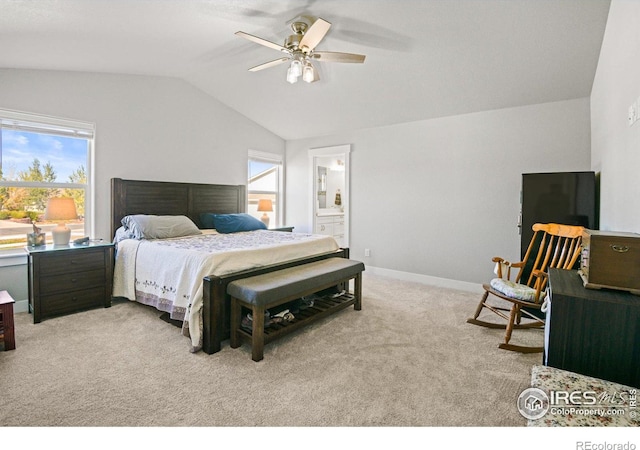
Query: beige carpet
(407,359)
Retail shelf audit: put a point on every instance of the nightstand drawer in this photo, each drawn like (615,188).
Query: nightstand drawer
(69,302)
(72,281)
(77,261)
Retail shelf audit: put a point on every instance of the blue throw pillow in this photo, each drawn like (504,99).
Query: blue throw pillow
(206,219)
(233,223)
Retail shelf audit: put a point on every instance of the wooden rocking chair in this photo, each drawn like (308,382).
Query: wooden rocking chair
(552,246)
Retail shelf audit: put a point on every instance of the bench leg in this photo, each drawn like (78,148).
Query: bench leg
(236,313)
(357,292)
(257,334)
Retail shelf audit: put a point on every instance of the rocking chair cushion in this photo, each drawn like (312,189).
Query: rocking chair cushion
(514,290)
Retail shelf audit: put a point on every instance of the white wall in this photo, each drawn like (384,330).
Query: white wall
(148,128)
(441,197)
(437,197)
(615,146)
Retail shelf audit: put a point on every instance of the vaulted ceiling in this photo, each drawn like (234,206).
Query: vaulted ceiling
(424,58)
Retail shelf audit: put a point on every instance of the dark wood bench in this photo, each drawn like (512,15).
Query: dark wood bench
(261,292)
(7,335)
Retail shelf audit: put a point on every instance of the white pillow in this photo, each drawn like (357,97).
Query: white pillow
(143,226)
(122,233)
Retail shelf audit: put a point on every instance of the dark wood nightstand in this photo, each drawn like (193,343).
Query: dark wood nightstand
(69,278)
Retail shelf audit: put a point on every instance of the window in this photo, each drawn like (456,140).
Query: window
(265,183)
(42,157)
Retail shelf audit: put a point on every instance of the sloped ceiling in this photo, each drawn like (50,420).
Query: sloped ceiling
(425,58)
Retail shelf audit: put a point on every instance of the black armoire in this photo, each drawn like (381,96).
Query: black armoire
(569,198)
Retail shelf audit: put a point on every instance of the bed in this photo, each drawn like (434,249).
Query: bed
(207,312)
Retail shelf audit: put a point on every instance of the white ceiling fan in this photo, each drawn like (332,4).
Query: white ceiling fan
(300,49)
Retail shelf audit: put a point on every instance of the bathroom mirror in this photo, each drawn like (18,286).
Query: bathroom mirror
(330,192)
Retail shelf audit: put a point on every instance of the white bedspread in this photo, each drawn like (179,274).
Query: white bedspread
(168,273)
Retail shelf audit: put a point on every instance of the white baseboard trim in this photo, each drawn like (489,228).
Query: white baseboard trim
(475,288)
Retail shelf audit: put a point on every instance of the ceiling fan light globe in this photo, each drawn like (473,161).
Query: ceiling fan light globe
(296,67)
(308,74)
(291,77)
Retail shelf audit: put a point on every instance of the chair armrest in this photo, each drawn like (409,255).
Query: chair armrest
(540,274)
(500,262)
(541,282)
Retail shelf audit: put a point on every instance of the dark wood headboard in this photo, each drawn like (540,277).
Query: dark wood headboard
(169,198)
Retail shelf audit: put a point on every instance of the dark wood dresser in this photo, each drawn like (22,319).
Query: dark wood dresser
(70,278)
(593,332)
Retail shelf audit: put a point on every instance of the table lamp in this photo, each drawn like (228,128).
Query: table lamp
(60,209)
(265,205)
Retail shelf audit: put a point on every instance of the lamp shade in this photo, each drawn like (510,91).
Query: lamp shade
(60,208)
(265,204)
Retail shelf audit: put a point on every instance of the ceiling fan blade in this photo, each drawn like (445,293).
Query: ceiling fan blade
(261,41)
(266,65)
(314,35)
(338,57)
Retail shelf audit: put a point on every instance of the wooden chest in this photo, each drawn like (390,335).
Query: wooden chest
(610,260)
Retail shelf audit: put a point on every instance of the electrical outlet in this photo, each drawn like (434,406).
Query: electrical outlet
(634,112)
(367,252)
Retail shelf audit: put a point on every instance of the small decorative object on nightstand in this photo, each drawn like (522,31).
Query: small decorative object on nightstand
(265,205)
(37,238)
(61,209)
(66,279)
